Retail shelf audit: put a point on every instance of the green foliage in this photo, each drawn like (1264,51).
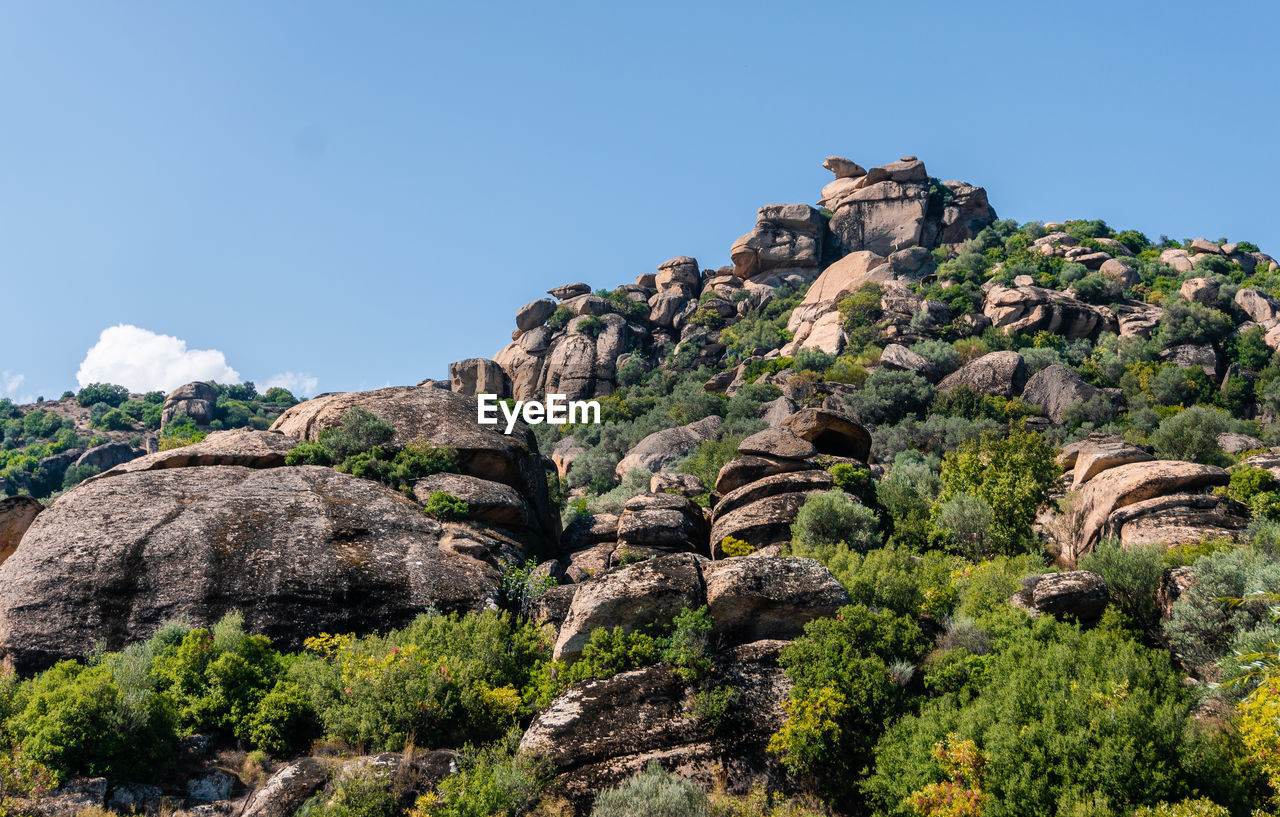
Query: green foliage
(179,431)
(609,652)
(359,431)
(523,583)
(860,313)
(1133,577)
(1191,435)
(446,507)
(1012,475)
(653,792)
(843,693)
(852,479)
(888,396)
(283,722)
(357,447)
(493,780)
(688,648)
(1203,623)
(560,318)
(1061,715)
(1190,322)
(108,393)
(591,325)
(830,517)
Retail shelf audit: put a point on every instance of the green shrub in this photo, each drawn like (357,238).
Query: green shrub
(446,507)
(360,430)
(829,517)
(362,793)
(1191,435)
(688,648)
(1012,475)
(493,780)
(1203,622)
(1133,576)
(1189,322)
(283,723)
(888,396)
(609,652)
(1061,715)
(108,393)
(653,792)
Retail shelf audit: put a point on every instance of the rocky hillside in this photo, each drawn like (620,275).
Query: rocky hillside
(907,510)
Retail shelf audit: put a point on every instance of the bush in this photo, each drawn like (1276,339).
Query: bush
(1061,716)
(688,648)
(965,522)
(1133,576)
(609,652)
(1012,475)
(1203,623)
(653,792)
(830,517)
(1191,435)
(490,781)
(108,393)
(1188,322)
(446,507)
(888,396)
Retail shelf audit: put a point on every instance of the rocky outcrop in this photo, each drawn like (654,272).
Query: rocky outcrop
(297,550)
(831,433)
(815,322)
(686,485)
(1075,594)
(196,400)
(1030,309)
(108,455)
(752,599)
(487,501)
(786,236)
(241,446)
(1177,519)
(478,375)
(1093,458)
(286,790)
(16,515)
(662,448)
(1124,485)
(997,373)
(650,592)
(434,417)
(662,521)
(598,733)
(1055,389)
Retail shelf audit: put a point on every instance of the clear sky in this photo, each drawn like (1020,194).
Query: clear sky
(346,195)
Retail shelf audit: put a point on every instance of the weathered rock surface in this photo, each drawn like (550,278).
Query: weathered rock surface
(785,236)
(196,400)
(598,733)
(435,417)
(1056,389)
(1176,519)
(753,599)
(286,790)
(16,515)
(831,432)
(743,470)
(650,592)
(487,501)
(664,521)
(1236,443)
(1076,594)
(108,455)
(668,482)
(478,375)
(779,442)
(1032,309)
(1124,485)
(996,373)
(240,446)
(297,550)
(662,448)
(1095,457)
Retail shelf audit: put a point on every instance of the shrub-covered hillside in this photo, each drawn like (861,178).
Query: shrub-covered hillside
(908,510)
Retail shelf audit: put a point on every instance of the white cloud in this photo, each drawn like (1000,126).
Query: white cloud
(141,360)
(9,385)
(302,384)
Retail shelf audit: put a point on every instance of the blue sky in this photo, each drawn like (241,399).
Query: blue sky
(347,195)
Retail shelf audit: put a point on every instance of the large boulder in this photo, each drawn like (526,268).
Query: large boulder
(478,375)
(1124,485)
(661,448)
(436,417)
(240,446)
(1056,389)
(286,790)
(297,550)
(744,470)
(830,432)
(16,515)
(785,236)
(1075,594)
(534,313)
(487,501)
(1264,309)
(1031,309)
(997,373)
(883,216)
(666,521)
(599,733)
(1094,457)
(649,592)
(752,599)
(108,455)
(780,441)
(815,322)
(1177,519)
(196,400)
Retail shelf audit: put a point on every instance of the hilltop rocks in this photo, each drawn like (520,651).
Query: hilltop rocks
(815,322)
(196,400)
(662,448)
(785,236)
(478,375)
(1031,309)
(241,446)
(1200,290)
(535,313)
(1056,389)
(996,373)
(16,515)
(566,291)
(680,274)
(297,550)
